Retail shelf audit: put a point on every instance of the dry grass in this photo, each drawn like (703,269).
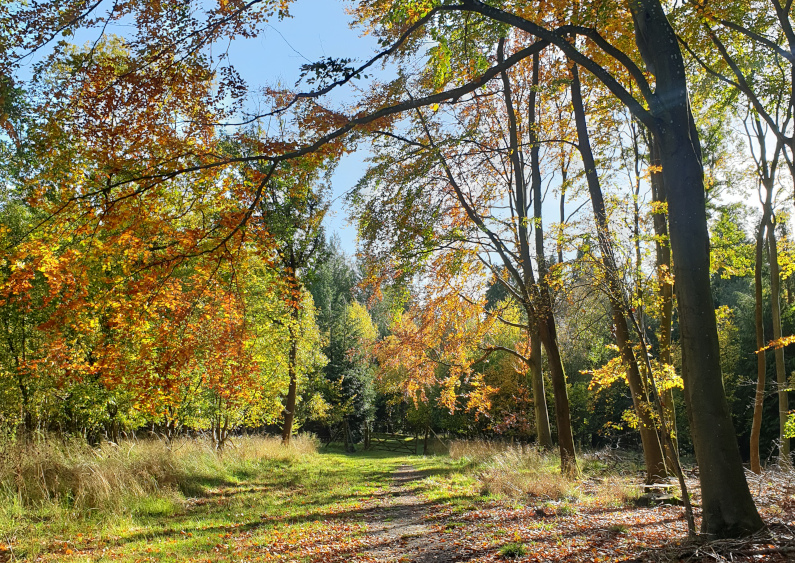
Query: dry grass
(71,474)
(477,451)
(516,471)
(611,491)
(521,472)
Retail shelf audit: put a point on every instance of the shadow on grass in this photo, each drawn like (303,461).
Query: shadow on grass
(303,492)
(309,495)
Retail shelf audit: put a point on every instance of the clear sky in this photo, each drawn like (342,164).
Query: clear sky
(318,28)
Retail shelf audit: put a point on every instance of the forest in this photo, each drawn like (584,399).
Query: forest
(573,244)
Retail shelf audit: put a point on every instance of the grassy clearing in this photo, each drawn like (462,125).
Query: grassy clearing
(52,475)
(145,501)
(258,501)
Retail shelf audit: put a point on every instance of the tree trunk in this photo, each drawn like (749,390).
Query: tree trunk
(666,286)
(656,470)
(781,373)
(539,394)
(728,509)
(540,310)
(761,367)
(652,448)
(548,332)
(549,338)
(292,391)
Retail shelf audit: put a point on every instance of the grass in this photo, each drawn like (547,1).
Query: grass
(147,501)
(513,550)
(619,529)
(151,501)
(515,471)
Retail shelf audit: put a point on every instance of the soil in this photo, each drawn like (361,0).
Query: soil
(402,527)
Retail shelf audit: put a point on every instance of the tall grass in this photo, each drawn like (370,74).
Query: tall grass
(56,474)
(515,471)
(521,472)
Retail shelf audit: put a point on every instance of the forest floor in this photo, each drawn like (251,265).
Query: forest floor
(379,507)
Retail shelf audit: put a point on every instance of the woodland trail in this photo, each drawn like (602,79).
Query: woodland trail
(405,526)
(401,527)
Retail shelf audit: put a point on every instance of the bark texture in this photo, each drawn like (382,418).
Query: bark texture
(728,508)
(540,408)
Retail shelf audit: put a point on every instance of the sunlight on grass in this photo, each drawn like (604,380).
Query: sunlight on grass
(515,471)
(152,502)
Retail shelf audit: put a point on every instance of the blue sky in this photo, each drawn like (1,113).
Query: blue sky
(318,28)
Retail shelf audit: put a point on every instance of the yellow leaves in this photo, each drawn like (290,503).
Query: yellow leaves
(658,207)
(666,377)
(631,419)
(665,275)
(786,251)
(778,343)
(606,375)
(614,370)
(359,317)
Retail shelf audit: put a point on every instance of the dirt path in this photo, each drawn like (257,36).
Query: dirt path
(401,528)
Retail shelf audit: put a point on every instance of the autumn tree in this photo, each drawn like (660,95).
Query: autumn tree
(475,220)
(635,41)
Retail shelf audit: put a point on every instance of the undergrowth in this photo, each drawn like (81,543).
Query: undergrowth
(45,476)
(523,472)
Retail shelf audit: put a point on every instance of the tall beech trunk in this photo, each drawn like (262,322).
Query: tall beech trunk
(666,286)
(549,338)
(781,373)
(539,394)
(547,329)
(540,309)
(652,447)
(761,367)
(728,509)
(766,170)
